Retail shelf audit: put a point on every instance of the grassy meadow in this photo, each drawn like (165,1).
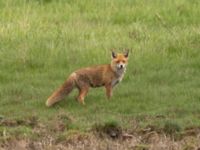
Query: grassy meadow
(43,41)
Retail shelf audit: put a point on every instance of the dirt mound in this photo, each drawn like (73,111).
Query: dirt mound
(57,135)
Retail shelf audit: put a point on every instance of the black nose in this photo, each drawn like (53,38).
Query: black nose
(121,66)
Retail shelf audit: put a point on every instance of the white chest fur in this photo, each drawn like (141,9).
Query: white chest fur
(120,75)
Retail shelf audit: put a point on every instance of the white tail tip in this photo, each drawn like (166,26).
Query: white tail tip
(47,103)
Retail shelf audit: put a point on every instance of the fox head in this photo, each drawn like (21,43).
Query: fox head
(119,61)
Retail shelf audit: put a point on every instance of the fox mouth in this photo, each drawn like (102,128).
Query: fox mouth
(120,67)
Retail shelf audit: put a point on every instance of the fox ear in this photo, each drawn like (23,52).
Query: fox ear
(114,54)
(126,53)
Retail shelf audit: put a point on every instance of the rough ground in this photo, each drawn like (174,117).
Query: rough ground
(151,141)
(101,137)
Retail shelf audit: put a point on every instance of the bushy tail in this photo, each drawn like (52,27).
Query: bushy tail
(61,92)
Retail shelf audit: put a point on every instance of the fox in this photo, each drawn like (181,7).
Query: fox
(108,76)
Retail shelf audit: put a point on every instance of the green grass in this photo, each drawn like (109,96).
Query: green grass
(43,41)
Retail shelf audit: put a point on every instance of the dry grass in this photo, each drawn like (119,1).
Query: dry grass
(56,135)
(150,141)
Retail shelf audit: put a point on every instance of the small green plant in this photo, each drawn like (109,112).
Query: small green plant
(171,127)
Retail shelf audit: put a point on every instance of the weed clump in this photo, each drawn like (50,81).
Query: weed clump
(111,129)
(171,127)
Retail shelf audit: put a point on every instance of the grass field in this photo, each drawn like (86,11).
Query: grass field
(43,41)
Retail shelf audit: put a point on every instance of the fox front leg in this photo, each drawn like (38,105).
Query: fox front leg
(108,91)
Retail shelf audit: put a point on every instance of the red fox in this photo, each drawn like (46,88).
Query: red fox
(102,75)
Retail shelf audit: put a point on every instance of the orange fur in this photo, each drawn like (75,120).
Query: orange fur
(102,75)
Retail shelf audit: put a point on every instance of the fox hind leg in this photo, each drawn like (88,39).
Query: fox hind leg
(82,93)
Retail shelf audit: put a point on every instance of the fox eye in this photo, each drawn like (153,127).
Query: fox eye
(123,61)
(118,62)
